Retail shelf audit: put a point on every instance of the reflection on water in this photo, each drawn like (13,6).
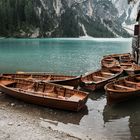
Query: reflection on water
(97,95)
(48,113)
(129,110)
(64,116)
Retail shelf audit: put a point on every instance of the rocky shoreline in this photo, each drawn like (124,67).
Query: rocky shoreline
(18,121)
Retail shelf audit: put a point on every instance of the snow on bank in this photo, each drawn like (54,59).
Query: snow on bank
(82,38)
(89,38)
(104,39)
(129,28)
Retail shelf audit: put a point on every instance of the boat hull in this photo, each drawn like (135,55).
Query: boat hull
(44,100)
(117,97)
(123,89)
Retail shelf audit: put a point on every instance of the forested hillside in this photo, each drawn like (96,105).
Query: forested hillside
(16,15)
(63,18)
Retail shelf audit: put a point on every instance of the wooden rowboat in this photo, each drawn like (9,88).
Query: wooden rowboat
(124,61)
(109,62)
(116,60)
(123,89)
(71,81)
(46,94)
(130,68)
(98,79)
(124,56)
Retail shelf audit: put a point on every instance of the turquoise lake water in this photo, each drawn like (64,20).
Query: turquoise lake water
(68,56)
(74,57)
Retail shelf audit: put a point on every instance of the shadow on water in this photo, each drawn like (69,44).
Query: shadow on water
(64,116)
(95,95)
(130,109)
(121,110)
(44,112)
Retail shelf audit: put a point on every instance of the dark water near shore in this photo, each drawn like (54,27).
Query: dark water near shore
(74,57)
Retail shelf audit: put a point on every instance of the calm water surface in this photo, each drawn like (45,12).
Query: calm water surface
(69,56)
(74,57)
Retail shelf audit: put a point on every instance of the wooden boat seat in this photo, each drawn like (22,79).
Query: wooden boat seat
(36,92)
(130,82)
(87,81)
(107,73)
(75,98)
(126,64)
(135,84)
(52,95)
(29,78)
(123,87)
(69,87)
(7,82)
(99,77)
(108,59)
(138,78)
(47,94)
(30,87)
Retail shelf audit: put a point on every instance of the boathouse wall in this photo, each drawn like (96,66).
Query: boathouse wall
(136,40)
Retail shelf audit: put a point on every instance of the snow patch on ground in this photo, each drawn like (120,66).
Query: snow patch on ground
(129,28)
(57,6)
(134,11)
(90,9)
(84,30)
(105,39)
(43,4)
(39,11)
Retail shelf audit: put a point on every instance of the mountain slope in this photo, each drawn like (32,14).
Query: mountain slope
(63,18)
(127,13)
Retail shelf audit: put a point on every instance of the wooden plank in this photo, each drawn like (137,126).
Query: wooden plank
(107,73)
(7,82)
(74,98)
(69,87)
(100,77)
(124,87)
(130,82)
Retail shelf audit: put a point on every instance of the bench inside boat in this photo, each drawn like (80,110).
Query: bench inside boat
(98,77)
(7,82)
(107,73)
(122,87)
